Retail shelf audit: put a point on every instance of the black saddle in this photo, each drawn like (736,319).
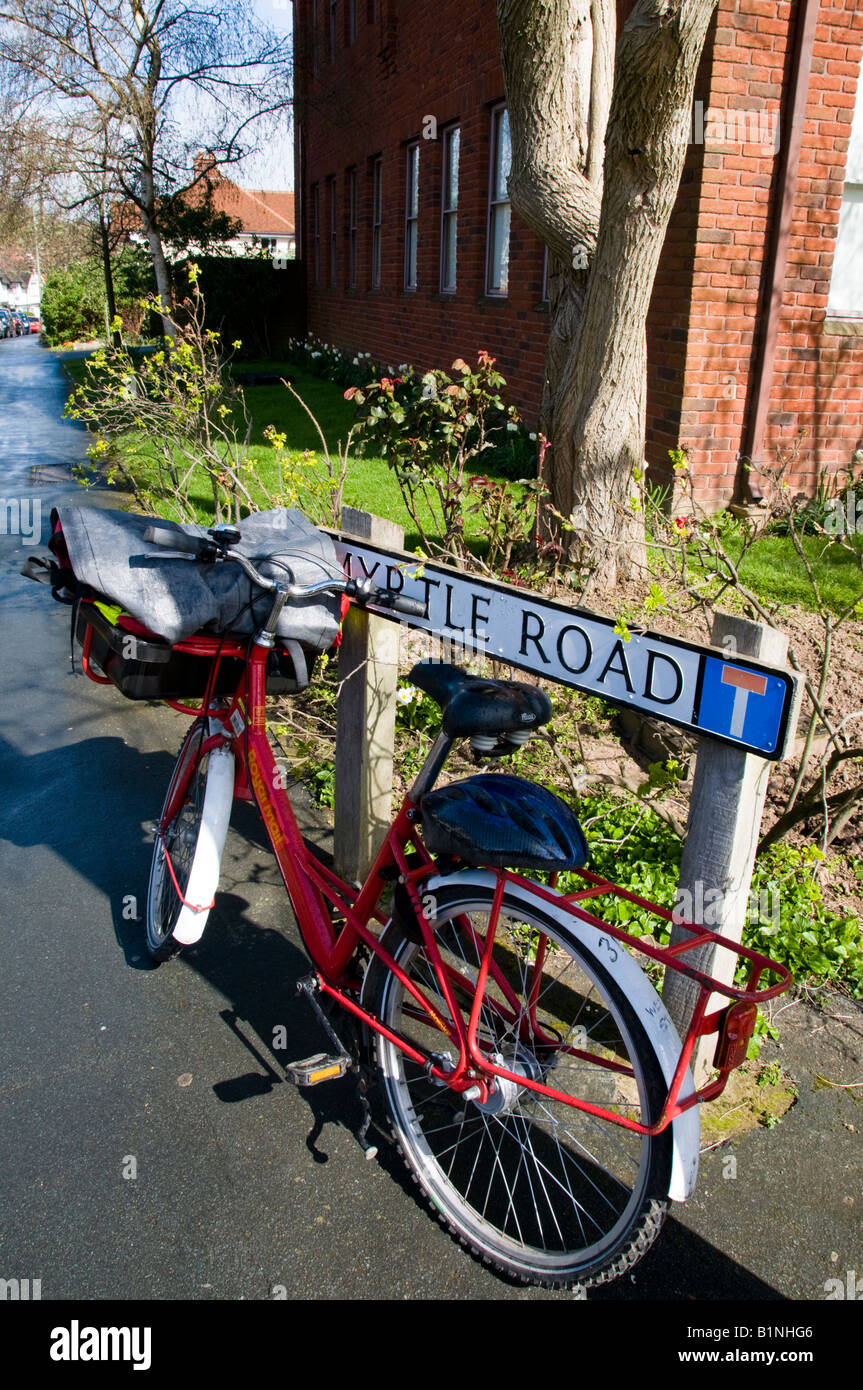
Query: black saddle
(473,706)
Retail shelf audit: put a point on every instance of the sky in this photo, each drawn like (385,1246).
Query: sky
(273,168)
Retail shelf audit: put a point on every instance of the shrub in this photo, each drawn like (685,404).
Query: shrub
(73,303)
(73,300)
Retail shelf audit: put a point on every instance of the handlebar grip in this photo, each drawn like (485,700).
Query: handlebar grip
(175,540)
(412,606)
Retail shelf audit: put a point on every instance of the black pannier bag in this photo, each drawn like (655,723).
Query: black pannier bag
(145,668)
(133,600)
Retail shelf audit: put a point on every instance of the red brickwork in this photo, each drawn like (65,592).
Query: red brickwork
(412,62)
(818,378)
(372,101)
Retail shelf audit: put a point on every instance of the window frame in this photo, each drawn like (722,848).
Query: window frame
(333,249)
(449,212)
(846,258)
(494,204)
(412,215)
(377,220)
(352,227)
(316,234)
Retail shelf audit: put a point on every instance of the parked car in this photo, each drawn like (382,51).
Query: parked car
(22,323)
(6,329)
(35,323)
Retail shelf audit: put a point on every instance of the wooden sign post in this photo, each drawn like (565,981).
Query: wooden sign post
(366,720)
(725,810)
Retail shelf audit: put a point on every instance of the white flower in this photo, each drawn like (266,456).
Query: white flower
(356,361)
(531,436)
(511,426)
(407,694)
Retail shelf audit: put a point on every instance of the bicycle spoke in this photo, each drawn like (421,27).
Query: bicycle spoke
(497,1164)
(537,1184)
(529,1145)
(543,1168)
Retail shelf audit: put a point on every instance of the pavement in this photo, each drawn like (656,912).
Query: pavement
(149,1146)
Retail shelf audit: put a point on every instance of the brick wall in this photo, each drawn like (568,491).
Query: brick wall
(413,62)
(817,383)
(347,121)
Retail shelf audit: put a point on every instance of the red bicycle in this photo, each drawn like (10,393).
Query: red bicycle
(534,1081)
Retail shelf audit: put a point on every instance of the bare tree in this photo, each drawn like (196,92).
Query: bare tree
(164,76)
(27,152)
(599,127)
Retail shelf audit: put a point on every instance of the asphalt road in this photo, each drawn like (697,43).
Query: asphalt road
(242,1184)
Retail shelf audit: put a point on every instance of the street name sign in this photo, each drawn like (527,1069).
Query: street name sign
(711,692)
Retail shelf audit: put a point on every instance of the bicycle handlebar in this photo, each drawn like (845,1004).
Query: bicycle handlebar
(363,591)
(367,592)
(177,540)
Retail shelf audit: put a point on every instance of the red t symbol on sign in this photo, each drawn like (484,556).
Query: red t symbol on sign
(745,683)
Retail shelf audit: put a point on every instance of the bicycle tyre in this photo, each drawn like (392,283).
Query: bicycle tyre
(180,840)
(566,1199)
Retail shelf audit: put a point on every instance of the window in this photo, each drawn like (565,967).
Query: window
(316,234)
(352,21)
(333,22)
(352,229)
(449,210)
(846,280)
(377,219)
(544,293)
(497,272)
(411,214)
(332,191)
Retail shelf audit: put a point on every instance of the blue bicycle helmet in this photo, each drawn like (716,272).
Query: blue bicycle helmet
(503,822)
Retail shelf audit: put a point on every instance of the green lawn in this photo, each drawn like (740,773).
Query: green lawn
(774,571)
(370,485)
(771,568)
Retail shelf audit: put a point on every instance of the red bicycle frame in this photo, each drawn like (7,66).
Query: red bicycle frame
(334,918)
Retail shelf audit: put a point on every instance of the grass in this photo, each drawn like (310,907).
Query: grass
(371,484)
(771,569)
(774,571)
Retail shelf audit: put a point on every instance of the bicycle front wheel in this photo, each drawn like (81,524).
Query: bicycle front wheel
(175,845)
(543,1191)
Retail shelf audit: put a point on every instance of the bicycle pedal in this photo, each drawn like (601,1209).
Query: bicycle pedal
(311,1071)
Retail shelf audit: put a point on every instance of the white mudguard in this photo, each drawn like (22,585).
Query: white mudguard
(204,877)
(652,1014)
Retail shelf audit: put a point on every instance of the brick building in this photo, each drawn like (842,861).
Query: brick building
(756,325)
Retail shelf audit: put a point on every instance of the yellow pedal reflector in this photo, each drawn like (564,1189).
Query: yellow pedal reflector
(321,1067)
(325,1073)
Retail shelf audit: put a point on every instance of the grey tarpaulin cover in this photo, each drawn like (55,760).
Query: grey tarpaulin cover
(175,597)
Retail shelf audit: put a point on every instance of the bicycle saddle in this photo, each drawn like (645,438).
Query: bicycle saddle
(474,706)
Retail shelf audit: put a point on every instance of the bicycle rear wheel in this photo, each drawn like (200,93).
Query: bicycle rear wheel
(545,1192)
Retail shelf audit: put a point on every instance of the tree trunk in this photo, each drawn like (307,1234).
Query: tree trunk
(157,255)
(605,233)
(108,271)
(147,128)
